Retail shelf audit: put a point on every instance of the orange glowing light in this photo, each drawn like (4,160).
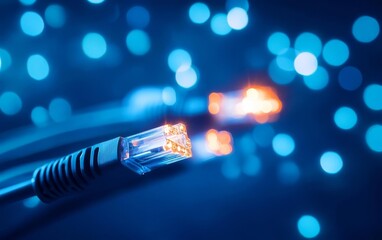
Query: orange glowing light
(259,103)
(214,108)
(225,137)
(262,118)
(219,142)
(215,97)
(214,102)
(176,139)
(225,149)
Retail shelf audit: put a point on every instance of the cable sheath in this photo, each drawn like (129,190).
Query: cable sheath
(16,192)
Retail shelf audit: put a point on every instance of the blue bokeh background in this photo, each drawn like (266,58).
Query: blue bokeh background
(73,73)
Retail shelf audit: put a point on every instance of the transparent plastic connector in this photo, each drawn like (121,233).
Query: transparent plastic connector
(156,147)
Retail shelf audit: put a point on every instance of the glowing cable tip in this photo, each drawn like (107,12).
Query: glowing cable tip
(260,104)
(156,147)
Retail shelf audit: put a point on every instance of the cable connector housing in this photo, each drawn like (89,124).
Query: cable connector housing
(140,153)
(157,147)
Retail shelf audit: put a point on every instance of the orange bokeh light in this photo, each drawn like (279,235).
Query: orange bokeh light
(214,108)
(219,142)
(259,102)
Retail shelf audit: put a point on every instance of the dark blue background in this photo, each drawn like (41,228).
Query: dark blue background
(196,201)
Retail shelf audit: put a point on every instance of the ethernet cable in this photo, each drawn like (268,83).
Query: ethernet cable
(254,103)
(141,153)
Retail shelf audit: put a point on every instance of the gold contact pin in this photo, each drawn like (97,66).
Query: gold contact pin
(177,140)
